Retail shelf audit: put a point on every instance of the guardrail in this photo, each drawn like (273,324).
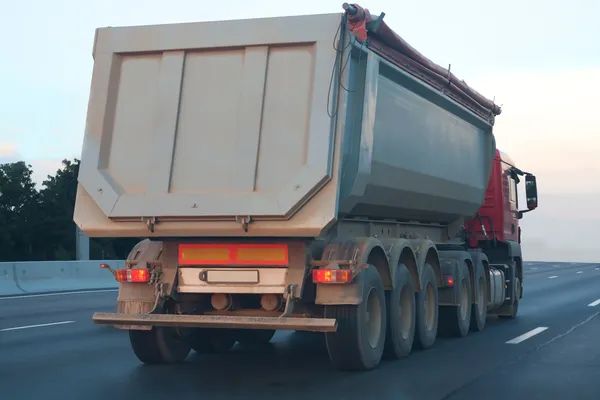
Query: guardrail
(32,277)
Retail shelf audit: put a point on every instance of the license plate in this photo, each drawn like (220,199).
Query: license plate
(213,276)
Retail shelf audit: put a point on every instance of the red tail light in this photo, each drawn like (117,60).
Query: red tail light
(132,275)
(448,280)
(332,276)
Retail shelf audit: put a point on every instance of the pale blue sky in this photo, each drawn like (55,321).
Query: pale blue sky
(539,58)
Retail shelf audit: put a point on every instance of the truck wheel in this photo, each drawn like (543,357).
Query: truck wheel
(479,310)
(512,310)
(212,341)
(456,320)
(427,310)
(360,337)
(253,337)
(160,345)
(401,310)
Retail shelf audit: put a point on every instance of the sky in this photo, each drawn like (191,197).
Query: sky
(539,59)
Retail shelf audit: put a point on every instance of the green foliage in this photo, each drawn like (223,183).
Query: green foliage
(19,202)
(38,225)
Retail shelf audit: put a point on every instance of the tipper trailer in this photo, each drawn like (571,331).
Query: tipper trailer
(309,173)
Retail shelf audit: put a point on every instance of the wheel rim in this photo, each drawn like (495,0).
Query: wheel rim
(464,299)
(373,318)
(480,296)
(405,312)
(429,307)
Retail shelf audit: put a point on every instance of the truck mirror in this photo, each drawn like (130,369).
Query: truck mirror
(531,192)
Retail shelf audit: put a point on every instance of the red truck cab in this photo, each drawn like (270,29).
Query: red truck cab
(498,217)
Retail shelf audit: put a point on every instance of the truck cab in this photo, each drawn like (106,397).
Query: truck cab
(498,218)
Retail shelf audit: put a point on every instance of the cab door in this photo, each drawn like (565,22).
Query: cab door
(511,203)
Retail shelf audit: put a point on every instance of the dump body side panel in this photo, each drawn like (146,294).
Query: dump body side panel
(419,156)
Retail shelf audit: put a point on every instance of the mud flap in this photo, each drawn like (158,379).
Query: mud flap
(142,298)
(357,250)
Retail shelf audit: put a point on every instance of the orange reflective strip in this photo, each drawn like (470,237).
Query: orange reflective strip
(233,254)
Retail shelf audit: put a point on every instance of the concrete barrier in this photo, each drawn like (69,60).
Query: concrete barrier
(8,285)
(55,276)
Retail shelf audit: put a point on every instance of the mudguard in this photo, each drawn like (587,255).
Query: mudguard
(422,248)
(358,250)
(140,298)
(395,248)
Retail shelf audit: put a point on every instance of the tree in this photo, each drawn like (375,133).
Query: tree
(36,226)
(57,202)
(19,201)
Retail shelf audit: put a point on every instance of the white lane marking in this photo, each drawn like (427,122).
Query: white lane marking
(580,272)
(597,269)
(552,277)
(17,328)
(594,303)
(26,296)
(534,268)
(527,335)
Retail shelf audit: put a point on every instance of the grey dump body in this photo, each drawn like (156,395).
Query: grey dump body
(189,133)
(410,153)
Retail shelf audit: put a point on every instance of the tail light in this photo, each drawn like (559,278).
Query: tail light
(332,276)
(132,275)
(129,275)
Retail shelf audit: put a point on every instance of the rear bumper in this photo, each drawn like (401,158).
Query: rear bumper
(217,321)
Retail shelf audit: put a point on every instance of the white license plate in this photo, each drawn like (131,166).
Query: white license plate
(213,276)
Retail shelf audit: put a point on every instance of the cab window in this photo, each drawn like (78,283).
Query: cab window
(512,185)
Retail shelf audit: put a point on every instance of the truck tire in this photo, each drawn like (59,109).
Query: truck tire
(427,309)
(511,310)
(401,311)
(212,341)
(254,337)
(479,310)
(358,343)
(455,321)
(160,345)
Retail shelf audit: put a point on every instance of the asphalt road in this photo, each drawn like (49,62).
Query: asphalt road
(50,348)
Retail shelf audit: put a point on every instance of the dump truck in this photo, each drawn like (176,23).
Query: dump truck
(301,173)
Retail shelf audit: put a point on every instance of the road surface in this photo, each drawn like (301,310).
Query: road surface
(50,348)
